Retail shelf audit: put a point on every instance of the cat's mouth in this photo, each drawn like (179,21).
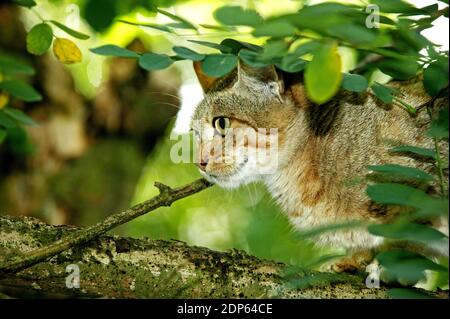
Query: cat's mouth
(228,180)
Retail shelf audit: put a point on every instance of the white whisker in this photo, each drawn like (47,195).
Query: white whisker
(166,103)
(164,93)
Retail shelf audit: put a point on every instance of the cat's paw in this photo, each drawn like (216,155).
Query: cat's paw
(343,265)
(355,263)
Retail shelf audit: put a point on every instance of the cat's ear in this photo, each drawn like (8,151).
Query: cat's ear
(265,80)
(206,81)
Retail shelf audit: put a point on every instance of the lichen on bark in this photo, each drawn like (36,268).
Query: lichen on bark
(117,267)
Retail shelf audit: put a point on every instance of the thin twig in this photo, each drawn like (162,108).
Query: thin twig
(166,197)
(439,166)
(370,59)
(38,15)
(437,149)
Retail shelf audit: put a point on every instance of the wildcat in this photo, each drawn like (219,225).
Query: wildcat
(321,149)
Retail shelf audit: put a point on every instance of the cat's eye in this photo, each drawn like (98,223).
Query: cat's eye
(221,124)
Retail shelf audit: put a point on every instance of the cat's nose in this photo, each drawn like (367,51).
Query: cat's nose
(202,164)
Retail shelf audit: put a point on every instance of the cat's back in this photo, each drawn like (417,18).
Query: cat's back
(358,129)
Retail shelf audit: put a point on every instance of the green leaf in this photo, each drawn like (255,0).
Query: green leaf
(425,152)
(439,127)
(315,231)
(435,77)
(176,58)
(323,74)
(404,293)
(114,50)
(220,47)
(178,25)
(353,33)
(407,231)
(274,29)
(217,65)
(322,17)
(398,194)
(291,63)
(399,69)
(185,22)
(187,53)
(235,46)
(70,31)
(25,3)
(2,135)
(148,25)
(9,65)
(21,91)
(408,107)
(354,82)
(396,6)
(409,39)
(217,27)
(427,10)
(307,47)
(251,58)
(153,61)
(18,141)
(407,267)
(273,50)
(431,9)
(434,54)
(19,116)
(100,14)
(403,171)
(235,15)
(39,39)
(6,121)
(384,93)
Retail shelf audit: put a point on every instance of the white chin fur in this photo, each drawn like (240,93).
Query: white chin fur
(242,177)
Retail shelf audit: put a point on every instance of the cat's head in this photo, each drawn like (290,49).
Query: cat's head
(241,124)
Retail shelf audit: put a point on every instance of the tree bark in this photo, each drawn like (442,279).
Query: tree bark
(117,267)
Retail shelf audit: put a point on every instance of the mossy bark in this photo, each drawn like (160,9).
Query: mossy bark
(116,267)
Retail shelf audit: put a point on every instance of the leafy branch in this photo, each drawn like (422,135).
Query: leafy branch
(439,164)
(404,265)
(295,42)
(38,41)
(40,38)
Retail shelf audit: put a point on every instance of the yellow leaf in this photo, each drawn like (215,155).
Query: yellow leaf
(4,98)
(66,51)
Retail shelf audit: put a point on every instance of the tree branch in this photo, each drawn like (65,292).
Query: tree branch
(165,198)
(116,267)
(34,257)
